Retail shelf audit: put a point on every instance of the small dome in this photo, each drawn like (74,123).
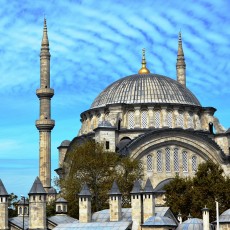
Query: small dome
(191,224)
(60,200)
(159,221)
(145,88)
(52,191)
(65,143)
(225,217)
(21,202)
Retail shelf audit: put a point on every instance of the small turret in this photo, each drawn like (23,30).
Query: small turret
(3,207)
(37,206)
(115,203)
(23,207)
(148,200)
(61,206)
(85,205)
(180,65)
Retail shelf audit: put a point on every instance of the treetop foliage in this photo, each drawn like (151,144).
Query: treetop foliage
(190,195)
(89,163)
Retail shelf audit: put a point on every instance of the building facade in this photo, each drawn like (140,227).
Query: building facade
(157,120)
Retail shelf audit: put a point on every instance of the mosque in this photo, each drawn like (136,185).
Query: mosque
(147,116)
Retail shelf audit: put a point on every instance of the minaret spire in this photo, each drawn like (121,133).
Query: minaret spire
(143,69)
(180,65)
(45,124)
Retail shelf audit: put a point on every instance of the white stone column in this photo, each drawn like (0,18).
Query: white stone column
(205,212)
(137,117)
(163,116)
(150,117)
(175,116)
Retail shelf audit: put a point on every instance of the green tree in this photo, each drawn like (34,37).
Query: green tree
(90,163)
(190,195)
(13,200)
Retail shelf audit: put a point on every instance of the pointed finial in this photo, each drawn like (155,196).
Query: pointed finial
(180,48)
(143,69)
(45,40)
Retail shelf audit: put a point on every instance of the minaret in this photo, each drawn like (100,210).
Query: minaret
(180,65)
(45,124)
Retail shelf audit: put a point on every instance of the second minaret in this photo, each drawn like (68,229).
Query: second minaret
(45,124)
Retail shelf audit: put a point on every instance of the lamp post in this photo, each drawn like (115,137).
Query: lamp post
(23,211)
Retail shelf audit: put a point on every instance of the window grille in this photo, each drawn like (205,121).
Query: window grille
(176,160)
(169,119)
(167,160)
(144,119)
(185,161)
(149,163)
(159,161)
(180,120)
(157,119)
(131,123)
(194,163)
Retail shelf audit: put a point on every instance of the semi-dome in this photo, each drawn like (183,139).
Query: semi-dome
(145,88)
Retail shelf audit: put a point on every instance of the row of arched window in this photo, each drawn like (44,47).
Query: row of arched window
(179,120)
(171,161)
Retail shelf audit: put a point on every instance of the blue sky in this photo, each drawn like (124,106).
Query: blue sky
(92,44)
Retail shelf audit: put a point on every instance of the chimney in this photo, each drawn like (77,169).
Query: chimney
(115,203)
(136,203)
(148,200)
(84,205)
(205,212)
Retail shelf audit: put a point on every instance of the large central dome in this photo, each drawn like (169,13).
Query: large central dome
(145,88)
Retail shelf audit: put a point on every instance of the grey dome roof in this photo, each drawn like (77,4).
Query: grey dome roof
(224,217)
(191,224)
(65,143)
(159,221)
(145,88)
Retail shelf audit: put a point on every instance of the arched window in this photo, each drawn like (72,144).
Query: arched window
(159,161)
(157,119)
(169,119)
(59,208)
(180,120)
(20,210)
(144,119)
(149,163)
(176,160)
(194,163)
(190,121)
(185,161)
(131,122)
(167,160)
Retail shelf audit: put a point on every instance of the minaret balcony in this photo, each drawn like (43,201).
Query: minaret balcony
(45,92)
(45,124)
